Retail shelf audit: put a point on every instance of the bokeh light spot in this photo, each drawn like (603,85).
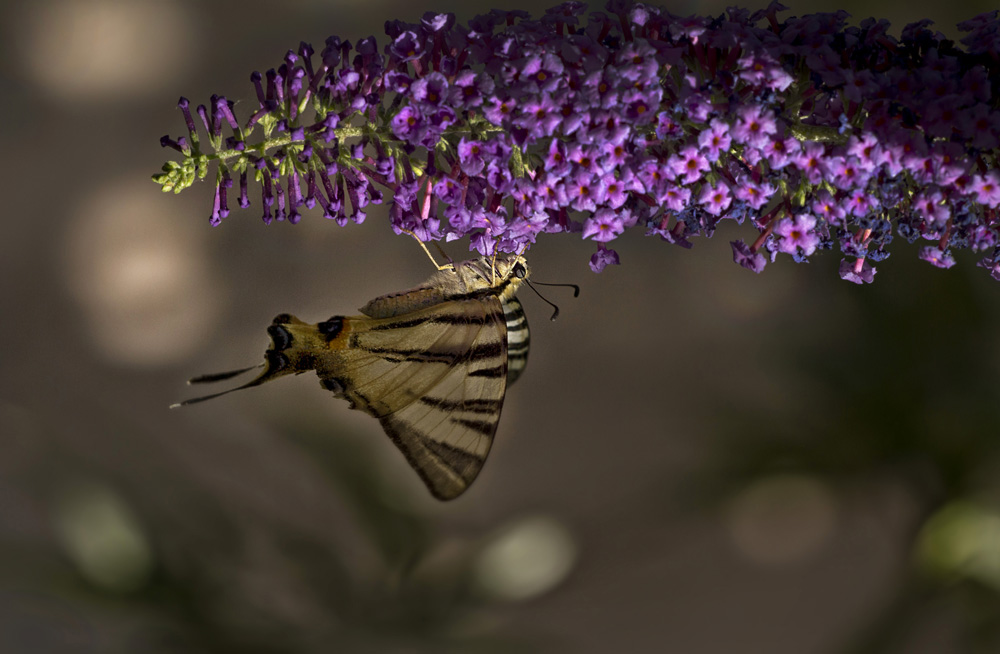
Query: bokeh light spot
(782,519)
(103,538)
(101,50)
(527,558)
(962,539)
(141,276)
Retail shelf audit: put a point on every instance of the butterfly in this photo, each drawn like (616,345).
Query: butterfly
(432,364)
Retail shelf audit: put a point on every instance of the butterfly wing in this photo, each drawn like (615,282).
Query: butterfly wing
(435,378)
(432,364)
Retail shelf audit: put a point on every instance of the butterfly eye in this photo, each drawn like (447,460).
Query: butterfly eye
(519,271)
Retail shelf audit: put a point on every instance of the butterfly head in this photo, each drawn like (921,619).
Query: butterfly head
(503,273)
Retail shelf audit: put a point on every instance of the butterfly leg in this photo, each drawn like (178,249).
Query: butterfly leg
(448,266)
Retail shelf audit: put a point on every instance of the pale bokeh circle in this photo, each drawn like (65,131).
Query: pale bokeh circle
(527,558)
(102,537)
(782,519)
(141,276)
(102,50)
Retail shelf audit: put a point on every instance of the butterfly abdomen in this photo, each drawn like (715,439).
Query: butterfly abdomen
(518,338)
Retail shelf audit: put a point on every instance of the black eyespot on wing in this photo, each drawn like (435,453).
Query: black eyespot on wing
(331,328)
(275,360)
(333,385)
(280,336)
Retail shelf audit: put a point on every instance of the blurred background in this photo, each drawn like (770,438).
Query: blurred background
(698,460)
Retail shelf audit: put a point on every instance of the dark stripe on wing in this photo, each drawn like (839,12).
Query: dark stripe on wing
(465,464)
(457,318)
(399,356)
(479,351)
(469,406)
(495,372)
(445,470)
(484,427)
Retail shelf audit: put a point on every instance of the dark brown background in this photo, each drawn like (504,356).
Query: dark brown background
(724,462)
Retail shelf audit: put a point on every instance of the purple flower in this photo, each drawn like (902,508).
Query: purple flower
(932,210)
(437,22)
(847,174)
(675,198)
(860,204)
(858,271)
(605,225)
(715,140)
(688,164)
(539,116)
(828,209)
(430,91)
(667,126)
(779,152)
(987,189)
(750,260)
(544,70)
(812,161)
(471,157)
(755,125)
(407,47)
(715,199)
(583,191)
(551,189)
(408,124)
(867,152)
(602,258)
(498,109)
(470,88)
(937,257)
(755,195)
(797,235)
(616,193)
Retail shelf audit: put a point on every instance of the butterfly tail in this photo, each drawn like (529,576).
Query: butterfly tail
(221,376)
(291,341)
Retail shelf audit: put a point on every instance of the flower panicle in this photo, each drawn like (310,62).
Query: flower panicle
(813,132)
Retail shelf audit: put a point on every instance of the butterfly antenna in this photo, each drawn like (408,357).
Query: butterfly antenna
(576,289)
(555,314)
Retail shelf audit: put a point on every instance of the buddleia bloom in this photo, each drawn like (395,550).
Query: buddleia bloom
(809,132)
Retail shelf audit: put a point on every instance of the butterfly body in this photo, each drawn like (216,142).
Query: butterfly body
(432,364)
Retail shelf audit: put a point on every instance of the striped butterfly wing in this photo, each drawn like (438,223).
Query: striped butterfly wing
(431,363)
(435,378)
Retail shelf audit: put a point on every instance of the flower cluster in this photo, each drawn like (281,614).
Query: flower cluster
(812,131)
